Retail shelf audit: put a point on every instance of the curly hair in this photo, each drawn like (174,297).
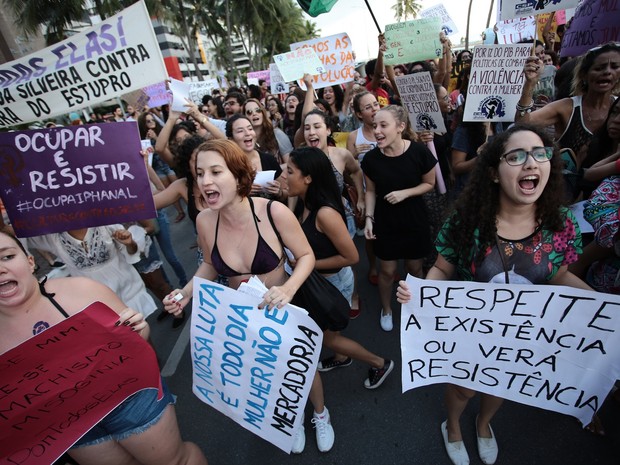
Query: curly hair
(266,140)
(183,155)
(236,161)
(478,205)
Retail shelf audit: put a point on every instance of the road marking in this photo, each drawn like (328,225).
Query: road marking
(178,350)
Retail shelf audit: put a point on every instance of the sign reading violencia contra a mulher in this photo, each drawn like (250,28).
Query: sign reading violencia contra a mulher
(114,57)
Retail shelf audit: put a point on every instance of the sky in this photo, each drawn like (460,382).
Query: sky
(353,17)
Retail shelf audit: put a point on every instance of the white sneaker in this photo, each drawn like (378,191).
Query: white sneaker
(300,438)
(324,431)
(386,322)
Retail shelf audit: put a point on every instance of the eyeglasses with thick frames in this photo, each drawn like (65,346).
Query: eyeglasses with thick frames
(518,157)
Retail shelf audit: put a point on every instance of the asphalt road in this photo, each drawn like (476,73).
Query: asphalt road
(382,426)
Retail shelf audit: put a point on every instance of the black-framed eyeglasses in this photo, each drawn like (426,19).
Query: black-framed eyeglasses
(230,102)
(518,157)
(205,111)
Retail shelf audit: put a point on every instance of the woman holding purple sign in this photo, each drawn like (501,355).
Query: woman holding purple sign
(141,429)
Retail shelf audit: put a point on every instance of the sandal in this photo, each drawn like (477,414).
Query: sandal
(355,312)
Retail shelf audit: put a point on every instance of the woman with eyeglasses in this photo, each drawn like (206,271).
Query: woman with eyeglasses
(509,208)
(596,81)
(268,139)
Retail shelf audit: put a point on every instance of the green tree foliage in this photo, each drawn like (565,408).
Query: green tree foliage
(406,9)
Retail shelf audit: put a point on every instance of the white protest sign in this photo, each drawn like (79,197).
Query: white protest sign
(294,64)
(254,366)
(278,84)
(439,11)
(512,31)
(418,96)
(495,82)
(180,95)
(552,347)
(413,40)
(198,89)
(509,9)
(336,54)
(112,58)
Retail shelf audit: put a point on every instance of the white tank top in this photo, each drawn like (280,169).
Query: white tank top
(361,139)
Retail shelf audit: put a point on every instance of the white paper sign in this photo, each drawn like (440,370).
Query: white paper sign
(264,177)
(254,366)
(495,82)
(516,8)
(114,57)
(439,11)
(197,89)
(336,54)
(512,31)
(180,94)
(418,96)
(294,64)
(278,84)
(552,347)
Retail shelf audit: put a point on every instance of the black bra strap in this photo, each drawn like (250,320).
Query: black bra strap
(50,297)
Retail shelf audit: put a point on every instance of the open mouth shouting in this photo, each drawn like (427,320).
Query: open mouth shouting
(528,184)
(314,142)
(8,288)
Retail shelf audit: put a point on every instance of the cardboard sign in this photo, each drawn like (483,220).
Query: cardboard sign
(112,58)
(509,9)
(550,347)
(439,11)
(336,54)
(412,41)
(294,64)
(418,96)
(512,31)
(495,82)
(254,366)
(595,23)
(73,177)
(278,84)
(60,383)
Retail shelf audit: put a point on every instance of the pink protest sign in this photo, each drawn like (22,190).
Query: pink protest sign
(60,383)
(57,179)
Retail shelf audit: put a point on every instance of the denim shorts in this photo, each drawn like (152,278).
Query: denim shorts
(343,281)
(134,416)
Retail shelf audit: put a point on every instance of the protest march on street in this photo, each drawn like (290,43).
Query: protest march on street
(312,231)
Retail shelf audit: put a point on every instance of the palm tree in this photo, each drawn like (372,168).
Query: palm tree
(467,31)
(56,16)
(406,8)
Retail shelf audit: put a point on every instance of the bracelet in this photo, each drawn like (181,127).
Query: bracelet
(525,109)
(372,218)
(617,165)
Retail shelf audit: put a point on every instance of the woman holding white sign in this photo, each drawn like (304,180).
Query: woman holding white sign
(506,227)
(141,429)
(235,234)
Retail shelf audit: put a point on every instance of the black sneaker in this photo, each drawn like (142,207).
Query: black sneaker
(329,363)
(376,376)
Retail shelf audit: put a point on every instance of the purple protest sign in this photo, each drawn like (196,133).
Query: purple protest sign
(595,23)
(158,94)
(57,179)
